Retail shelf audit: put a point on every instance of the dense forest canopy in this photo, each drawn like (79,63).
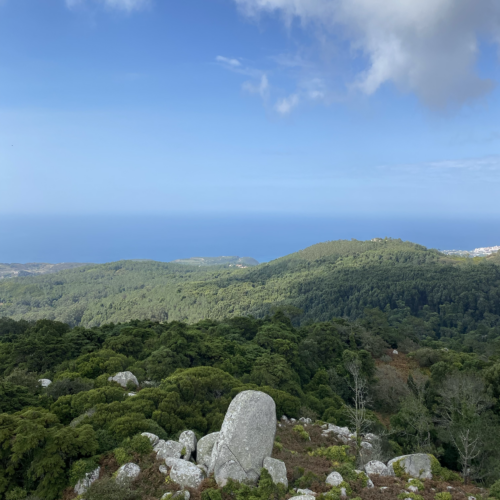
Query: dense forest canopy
(438,296)
(188,375)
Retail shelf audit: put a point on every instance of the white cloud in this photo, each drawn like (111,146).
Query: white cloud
(262,88)
(230,62)
(125,5)
(428,47)
(286,105)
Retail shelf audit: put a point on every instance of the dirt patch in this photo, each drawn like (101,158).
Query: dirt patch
(401,362)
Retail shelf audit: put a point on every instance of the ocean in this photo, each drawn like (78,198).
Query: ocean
(110,238)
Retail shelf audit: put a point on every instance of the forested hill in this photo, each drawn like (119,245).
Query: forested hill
(435,294)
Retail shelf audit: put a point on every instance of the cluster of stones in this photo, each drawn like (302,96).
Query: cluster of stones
(243,447)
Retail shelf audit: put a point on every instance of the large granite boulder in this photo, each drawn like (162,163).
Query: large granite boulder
(186,474)
(277,470)
(123,378)
(82,485)
(376,467)
(188,441)
(204,449)
(128,472)
(152,437)
(245,439)
(45,382)
(418,465)
(168,449)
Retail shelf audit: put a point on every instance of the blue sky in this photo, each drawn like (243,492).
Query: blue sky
(328,107)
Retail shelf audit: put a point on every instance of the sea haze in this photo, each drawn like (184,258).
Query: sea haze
(265,237)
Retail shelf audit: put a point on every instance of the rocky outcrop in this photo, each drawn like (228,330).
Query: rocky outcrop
(152,437)
(376,467)
(304,497)
(277,470)
(245,439)
(186,474)
(334,479)
(168,449)
(418,465)
(128,472)
(45,382)
(82,485)
(123,378)
(204,449)
(188,441)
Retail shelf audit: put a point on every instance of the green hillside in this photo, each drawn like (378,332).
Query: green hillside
(433,294)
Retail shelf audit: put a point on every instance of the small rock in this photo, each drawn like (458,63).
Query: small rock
(165,449)
(128,472)
(179,495)
(305,420)
(82,485)
(122,378)
(305,497)
(383,488)
(305,492)
(188,441)
(277,470)
(343,492)
(471,498)
(395,352)
(163,469)
(365,445)
(45,382)
(371,437)
(130,394)
(413,488)
(204,449)
(334,479)
(152,437)
(284,418)
(186,474)
(376,467)
(449,488)
(293,420)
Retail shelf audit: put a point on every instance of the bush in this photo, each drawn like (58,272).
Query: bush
(80,468)
(16,494)
(109,489)
(121,455)
(138,444)
(299,429)
(495,490)
(444,495)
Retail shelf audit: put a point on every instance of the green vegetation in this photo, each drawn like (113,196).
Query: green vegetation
(422,292)
(440,394)
(188,375)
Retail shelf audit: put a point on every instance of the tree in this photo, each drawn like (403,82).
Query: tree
(463,401)
(413,422)
(358,411)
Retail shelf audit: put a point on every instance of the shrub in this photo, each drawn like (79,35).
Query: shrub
(299,429)
(16,494)
(138,444)
(80,468)
(211,494)
(444,495)
(109,489)
(495,490)
(121,455)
